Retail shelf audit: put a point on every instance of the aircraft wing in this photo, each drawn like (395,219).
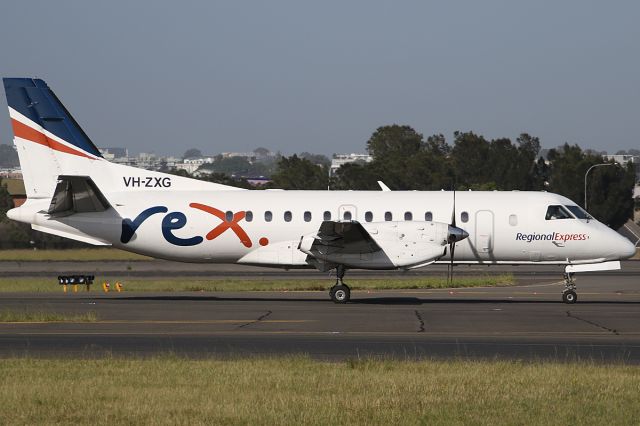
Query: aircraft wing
(344,237)
(376,245)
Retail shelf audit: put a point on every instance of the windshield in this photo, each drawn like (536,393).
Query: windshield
(579,212)
(557,212)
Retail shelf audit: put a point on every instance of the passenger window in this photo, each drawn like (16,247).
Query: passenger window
(388,216)
(228,216)
(268,216)
(557,212)
(408,216)
(464,217)
(428,216)
(248,215)
(347,215)
(307,216)
(287,216)
(513,220)
(368,216)
(326,216)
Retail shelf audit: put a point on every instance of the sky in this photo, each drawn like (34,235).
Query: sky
(321,76)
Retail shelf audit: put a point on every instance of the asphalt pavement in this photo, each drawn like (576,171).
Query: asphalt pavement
(526,321)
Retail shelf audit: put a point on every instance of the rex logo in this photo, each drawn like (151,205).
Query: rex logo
(177,220)
(226,224)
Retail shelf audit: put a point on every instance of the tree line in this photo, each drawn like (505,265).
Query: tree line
(405,160)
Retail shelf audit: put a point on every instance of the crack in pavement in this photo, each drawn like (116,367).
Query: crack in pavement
(257,320)
(420,321)
(595,324)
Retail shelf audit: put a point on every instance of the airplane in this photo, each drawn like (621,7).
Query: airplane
(73,192)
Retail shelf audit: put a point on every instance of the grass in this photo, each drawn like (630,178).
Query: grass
(191,284)
(72,255)
(298,390)
(45,316)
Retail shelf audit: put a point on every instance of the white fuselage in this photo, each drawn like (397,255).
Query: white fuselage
(503,227)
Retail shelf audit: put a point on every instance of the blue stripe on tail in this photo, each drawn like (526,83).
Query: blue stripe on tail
(33,99)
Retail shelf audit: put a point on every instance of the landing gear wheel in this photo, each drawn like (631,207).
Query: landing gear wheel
(569,296)
(340,293)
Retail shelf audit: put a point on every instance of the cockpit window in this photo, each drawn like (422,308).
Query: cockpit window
(557,212)
(579,212)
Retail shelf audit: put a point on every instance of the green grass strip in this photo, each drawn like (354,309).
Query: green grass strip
(45,316)
(191,284)
(69,255)
(298,390)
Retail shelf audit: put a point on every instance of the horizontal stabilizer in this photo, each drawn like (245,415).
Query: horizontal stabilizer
(78,236)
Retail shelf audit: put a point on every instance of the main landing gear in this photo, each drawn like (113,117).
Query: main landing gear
(569,294)
(340,292)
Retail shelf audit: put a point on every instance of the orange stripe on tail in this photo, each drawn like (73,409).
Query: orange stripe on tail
(23,131)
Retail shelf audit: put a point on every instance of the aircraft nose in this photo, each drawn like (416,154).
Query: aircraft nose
(456,234)
(627,249)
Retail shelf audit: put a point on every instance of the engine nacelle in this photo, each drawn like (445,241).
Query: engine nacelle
(399,245)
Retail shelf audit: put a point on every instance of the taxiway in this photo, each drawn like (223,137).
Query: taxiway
(526,321)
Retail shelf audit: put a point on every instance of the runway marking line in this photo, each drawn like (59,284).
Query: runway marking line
(239,321)
(552,334)
(518,293)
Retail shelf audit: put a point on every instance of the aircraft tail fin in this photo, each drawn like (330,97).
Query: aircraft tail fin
(52,148)
(48,139)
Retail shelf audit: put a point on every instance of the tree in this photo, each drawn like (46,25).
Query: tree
(568,166)
(610,192)
(471,160)
(436,160)
(236,166)
(393,148)
(261,152)
(609,189)
(216,178)
(20,235)
(528,151)
(299,173)
(356,176)
(319,159)
(192,153)
(391,142)
(6,203)
(8,156)
(226,180)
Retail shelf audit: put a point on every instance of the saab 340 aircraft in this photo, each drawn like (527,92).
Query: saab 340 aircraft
(73,192)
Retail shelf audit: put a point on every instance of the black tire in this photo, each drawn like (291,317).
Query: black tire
(340,293)
(569,297)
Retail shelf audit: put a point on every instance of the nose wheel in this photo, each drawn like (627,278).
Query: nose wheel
(340,292)
(569,294)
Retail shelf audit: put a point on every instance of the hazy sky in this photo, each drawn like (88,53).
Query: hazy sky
(321,76)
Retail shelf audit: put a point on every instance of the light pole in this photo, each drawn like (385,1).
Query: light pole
(585,179)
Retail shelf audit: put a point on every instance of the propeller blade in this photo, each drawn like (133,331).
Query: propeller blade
(453,250)
(453,212)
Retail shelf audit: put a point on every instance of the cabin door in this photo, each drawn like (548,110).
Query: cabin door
(484,232)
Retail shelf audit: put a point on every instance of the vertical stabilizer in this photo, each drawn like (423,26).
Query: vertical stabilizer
(48,139)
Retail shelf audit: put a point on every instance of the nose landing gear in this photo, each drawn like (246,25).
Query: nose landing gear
(569,294)
(340,292)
